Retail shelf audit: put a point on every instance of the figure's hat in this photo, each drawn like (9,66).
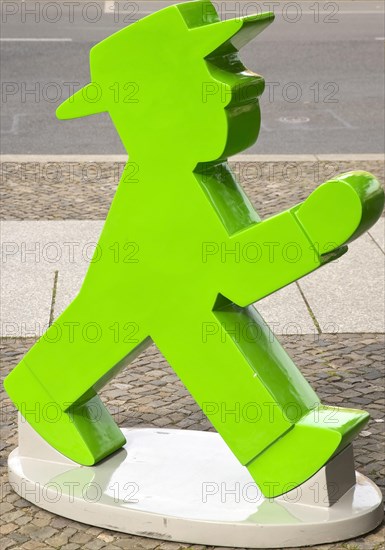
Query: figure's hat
(191,25)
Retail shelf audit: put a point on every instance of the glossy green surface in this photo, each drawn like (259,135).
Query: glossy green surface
(183,254)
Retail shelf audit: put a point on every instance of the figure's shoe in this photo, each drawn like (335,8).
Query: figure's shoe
(84,432)
(296,456)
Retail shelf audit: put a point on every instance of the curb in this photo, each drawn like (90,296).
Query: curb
(237,158)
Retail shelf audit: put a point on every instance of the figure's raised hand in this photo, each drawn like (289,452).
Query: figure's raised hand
(341,209)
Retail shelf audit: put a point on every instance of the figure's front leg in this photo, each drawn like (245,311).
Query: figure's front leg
(55,386)
(273,253)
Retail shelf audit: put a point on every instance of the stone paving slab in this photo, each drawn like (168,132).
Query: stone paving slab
(348,295)
(36,257)
(67,288)
(286,312)
(49,245)
(25,301)
(377,232)
(345,370)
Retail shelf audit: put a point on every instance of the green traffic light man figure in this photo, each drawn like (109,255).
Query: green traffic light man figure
(179,260)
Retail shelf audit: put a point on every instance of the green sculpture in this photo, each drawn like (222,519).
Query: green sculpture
(179,259)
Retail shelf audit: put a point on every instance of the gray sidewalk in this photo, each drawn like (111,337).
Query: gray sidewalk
(44,263)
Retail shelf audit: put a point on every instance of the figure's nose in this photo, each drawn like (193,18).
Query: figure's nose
(246,87)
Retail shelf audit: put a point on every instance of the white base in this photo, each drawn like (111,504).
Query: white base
(186,486)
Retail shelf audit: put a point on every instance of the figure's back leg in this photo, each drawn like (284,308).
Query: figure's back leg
(255,396)
(55,385)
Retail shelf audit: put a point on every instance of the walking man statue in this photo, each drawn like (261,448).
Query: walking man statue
(183,255)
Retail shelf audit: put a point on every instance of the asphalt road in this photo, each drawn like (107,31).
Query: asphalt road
(322,61)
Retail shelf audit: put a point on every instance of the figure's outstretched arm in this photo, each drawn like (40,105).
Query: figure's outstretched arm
(271,254)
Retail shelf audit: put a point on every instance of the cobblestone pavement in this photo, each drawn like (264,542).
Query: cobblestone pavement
(84,191)
(344,369)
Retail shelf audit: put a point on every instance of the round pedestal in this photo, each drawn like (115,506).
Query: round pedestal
(185,486)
